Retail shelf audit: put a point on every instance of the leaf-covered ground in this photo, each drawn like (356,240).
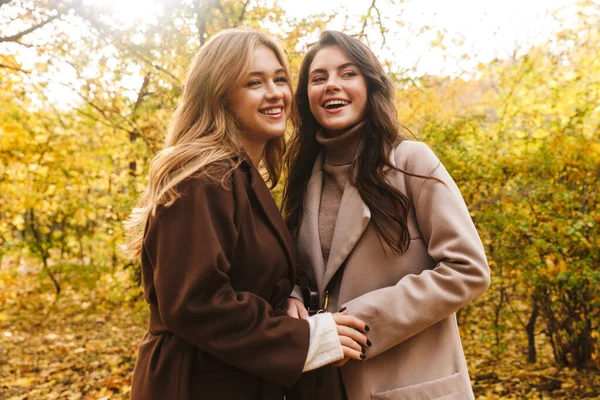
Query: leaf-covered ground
(83,347)
(79,347)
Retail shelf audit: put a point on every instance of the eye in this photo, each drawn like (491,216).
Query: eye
(253,83)
(281,79)
(349,74)
(318,79)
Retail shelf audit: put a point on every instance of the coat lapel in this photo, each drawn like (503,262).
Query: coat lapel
(308,235)
(352,220)
(265,199)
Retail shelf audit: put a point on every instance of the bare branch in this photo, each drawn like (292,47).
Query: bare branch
(202,11)
(14,68)
(105,32)
(15,38)
(200,20)
(372,7)
(367,16)
(243,13)
(142,93)
(381,27)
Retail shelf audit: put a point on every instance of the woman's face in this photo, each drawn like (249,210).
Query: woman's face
(261,101)
(337,90)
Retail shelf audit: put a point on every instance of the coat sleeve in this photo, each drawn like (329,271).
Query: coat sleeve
(190,245)
(461,273)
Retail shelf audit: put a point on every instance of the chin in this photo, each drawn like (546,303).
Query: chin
(337,125)
(274,134)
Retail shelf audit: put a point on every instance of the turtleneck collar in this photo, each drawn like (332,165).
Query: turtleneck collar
(341,149)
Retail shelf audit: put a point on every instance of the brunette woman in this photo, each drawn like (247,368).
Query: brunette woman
(217,260)
(381,230)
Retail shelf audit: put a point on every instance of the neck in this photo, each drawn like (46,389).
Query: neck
(255,150)
(342,133)
(341,149)
(335,133)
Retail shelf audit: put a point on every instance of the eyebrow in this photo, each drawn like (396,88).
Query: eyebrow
(261,73)
(321,70)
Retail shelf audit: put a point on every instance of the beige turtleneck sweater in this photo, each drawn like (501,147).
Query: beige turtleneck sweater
(340,152)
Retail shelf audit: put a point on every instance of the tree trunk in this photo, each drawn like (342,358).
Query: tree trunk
(201,20)
(133,163)
(530,328)
(51,275)
(43,252)
(497,316)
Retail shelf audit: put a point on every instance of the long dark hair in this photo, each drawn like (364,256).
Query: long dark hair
(389,207)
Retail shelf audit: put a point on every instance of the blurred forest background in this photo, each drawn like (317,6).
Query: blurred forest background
(85,98)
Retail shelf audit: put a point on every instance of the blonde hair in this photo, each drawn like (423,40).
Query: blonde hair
(203,131)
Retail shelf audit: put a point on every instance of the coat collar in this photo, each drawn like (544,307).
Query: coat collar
(265,199)
(353,218)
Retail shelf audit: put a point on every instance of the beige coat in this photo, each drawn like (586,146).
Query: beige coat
(409,300)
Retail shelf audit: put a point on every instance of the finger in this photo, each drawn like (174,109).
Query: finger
(292,311)
(340,363)
(351,353)
(351,321)
(346,341)
(340,313)
(302,311)
(352,334)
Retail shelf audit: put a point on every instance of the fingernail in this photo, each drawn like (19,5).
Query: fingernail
(362,356)
(369,343)
(343,309)
(367,328)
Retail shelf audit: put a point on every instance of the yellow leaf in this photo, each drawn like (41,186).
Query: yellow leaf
(19,222)
(550,263)
(23,382)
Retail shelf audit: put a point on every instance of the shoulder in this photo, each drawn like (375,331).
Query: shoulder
(206,200)
(415,157)
(213,186)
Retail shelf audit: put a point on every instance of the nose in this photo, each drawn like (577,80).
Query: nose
(273,92)
(331,86)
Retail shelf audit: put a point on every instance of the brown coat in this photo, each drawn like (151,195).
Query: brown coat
(217,268)
(408,300)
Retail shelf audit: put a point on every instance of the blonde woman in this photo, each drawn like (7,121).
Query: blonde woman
(217,260)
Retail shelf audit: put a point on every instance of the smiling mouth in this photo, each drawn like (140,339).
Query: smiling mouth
(333,104)
(271,111)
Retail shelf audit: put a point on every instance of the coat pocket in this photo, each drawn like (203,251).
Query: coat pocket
(446,388)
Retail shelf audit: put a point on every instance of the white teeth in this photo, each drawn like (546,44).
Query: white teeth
(335,103)
(272,111)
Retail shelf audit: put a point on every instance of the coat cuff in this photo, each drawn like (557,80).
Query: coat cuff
(324,345)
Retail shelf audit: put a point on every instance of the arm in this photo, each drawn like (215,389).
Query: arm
(191,244)
(417,302)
